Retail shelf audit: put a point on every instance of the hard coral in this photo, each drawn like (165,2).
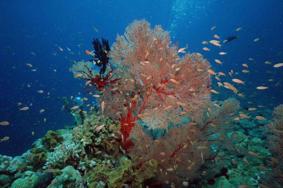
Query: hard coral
(51,140)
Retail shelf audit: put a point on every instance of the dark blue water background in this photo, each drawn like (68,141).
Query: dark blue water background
(52,34)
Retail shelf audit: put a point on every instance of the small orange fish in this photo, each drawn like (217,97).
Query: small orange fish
(211,72)
(214,91)
(75,108)
(29,65)
(219,84)
(236,119)
(256,39)
(260,118)
(99,128)
(206,49)
(216,36)
(218,61)
(24,108)
(60,49)
(222,53)
(4,123)
(41,110)
(231,87)
(261,87)
(4,139)
(221,74)
(238,29)
(182,50)
(252,109)
(213,28)
(88,52)
(243,116)
(217,78)
(238,81)
(245,71)
(204,42)
(174,81)
(168,107)
(278,65)
(102,106)
(241,95)
(245,65)
(267,63)
(215,43)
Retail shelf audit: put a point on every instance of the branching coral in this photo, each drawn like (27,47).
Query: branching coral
(183,150)
(83,70)
(218,114)
(155,85)
(180,153)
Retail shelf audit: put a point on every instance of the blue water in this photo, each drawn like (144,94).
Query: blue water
(52,34)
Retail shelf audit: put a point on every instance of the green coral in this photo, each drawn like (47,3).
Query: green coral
(37,157)
(97,135)
(147,171)
(69,178)
(51,140)
(110,175)
(124,172)
(29,180)
(221,182)
(5,180)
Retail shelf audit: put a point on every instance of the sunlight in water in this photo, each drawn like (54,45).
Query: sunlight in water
(186,12)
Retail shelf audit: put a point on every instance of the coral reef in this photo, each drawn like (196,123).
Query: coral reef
(88,155)
(68,178)
(156,126)
(276,146)
(51,139)
(183,150)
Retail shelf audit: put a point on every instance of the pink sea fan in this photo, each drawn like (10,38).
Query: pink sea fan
(163,82)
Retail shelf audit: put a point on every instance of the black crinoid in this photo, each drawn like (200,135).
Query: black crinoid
(101,49)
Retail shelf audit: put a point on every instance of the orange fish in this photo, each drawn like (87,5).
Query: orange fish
(214,91)
(88,52)
(218,61)
(211,72)
(261,87)
(238,81)
(260,118)
(231,87)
